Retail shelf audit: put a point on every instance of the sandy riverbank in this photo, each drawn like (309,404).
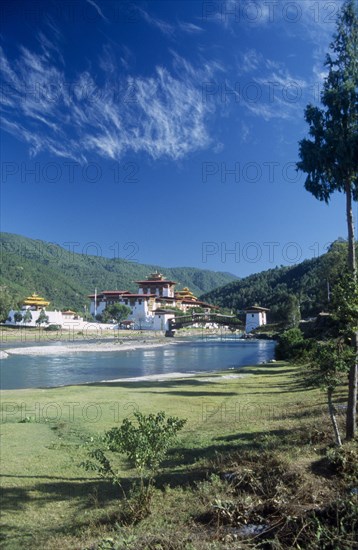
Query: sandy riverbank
(175,376)
(91,347)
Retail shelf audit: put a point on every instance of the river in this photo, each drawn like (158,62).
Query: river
(195,356)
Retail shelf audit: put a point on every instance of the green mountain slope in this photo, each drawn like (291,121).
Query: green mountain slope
(309,281)
(65,278)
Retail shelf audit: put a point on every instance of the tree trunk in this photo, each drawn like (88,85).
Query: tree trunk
(350,223)
(351,423)
(332,413)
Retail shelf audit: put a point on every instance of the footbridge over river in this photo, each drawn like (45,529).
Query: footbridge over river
(182,321)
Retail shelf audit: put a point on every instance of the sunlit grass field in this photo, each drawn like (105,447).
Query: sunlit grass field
(49,501)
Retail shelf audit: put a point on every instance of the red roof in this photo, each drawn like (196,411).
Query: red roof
(115,292)
(120,294)
(256,308)
(199,303)
(139,295)
(112,292)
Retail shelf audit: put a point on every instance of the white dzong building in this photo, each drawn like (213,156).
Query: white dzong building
(150,305)
(255,317)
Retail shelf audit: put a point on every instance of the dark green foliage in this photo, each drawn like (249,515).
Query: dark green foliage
(281,288)
(332,528)
(196,310)
(288,310)
(344,462)
(329,364)
(66,278)
(27,317)
(178,312)
(53,328)
(344,305)
(145,443)
(18,317)
(118,312)
(291,345)
(42,318)
(6,303)
(330,157)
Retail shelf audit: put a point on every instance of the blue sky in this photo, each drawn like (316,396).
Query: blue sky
(165,131)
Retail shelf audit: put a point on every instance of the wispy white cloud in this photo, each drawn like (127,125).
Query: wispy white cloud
(201,72)
(218,147)
(49,48)
(55,32)
(232,13)
(168,29)
(162,115)
(107,60)
(299,20)
(282,97)
(250,60)
(319,72)
(165,27)
(245,132)
(190,28)
(306,20)
(268,89)
(98,9)
(110,62)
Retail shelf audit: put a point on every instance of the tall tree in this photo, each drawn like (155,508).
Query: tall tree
(42,318)
(17,317)
(5,303)
(27,316)
(330,157)
(328,365)
(118,312)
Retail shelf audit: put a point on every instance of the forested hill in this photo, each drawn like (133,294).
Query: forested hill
(304,283)
(65,278)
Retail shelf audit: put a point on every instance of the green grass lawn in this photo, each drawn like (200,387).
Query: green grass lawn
(49,501)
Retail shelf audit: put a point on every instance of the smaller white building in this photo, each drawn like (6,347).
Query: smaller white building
(34,307)
(255,317)
(161,319)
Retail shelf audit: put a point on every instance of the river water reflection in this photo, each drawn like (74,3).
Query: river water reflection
(20,371)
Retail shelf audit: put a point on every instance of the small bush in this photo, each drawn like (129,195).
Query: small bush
(51,328)
(26,420)
(291,345)
(344,462)
(145,444)
(332,528)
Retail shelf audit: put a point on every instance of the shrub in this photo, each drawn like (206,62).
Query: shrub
(145,444)
(344,461)
(52,328)
(292,345)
